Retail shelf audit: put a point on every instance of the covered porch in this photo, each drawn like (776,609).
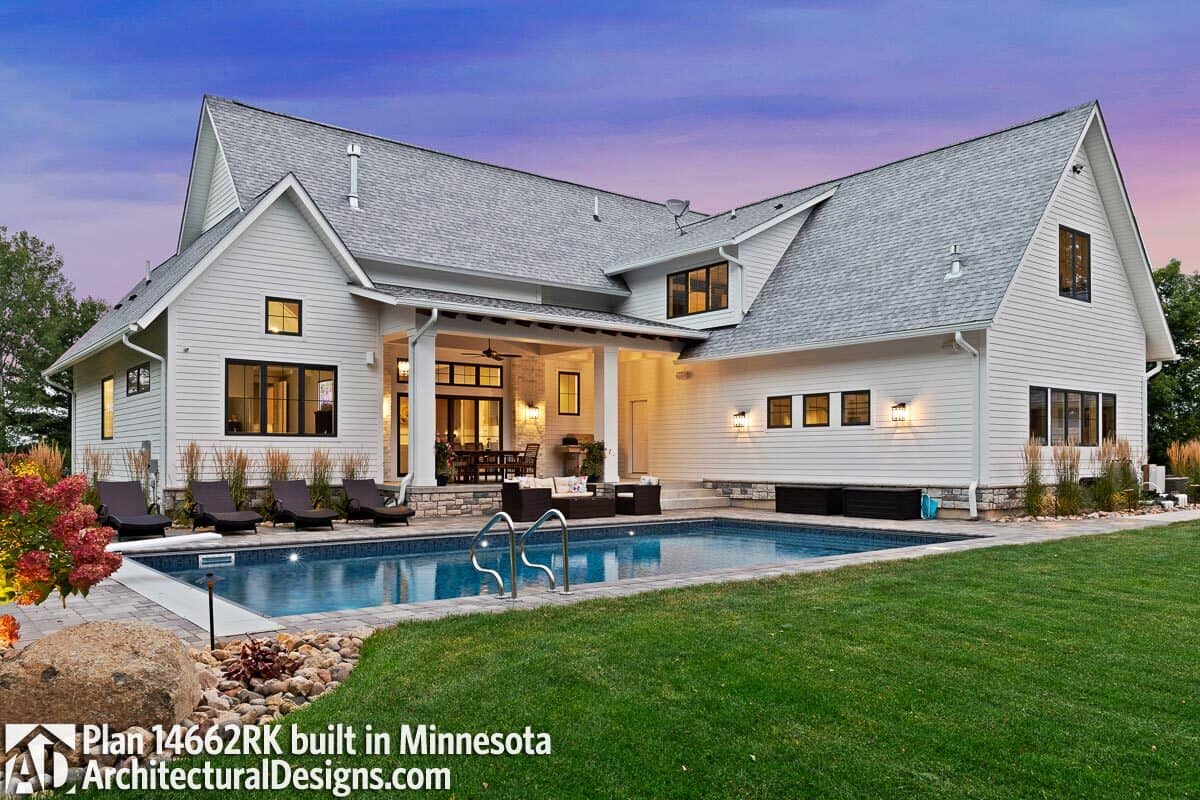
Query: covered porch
(511,387)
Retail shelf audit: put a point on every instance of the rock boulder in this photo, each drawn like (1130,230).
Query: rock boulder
(123,674)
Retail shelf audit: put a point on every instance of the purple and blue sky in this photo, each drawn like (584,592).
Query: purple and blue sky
(719,103)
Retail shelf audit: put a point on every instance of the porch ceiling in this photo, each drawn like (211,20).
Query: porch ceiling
(520,314)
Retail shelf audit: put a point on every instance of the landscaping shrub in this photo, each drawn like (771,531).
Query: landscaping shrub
(1115,486)
(137,467)
(233,464)
(262,660)
(278,464)
(48,459)
(354,466)
(1036,500)
(48,541)
(1068,494)
(97,466)
(1184,459)
(320,475)
(191,462)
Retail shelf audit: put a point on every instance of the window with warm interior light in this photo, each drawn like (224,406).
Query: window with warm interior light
(283,316)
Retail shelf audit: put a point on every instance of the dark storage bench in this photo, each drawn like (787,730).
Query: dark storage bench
(801,499)
(882,503)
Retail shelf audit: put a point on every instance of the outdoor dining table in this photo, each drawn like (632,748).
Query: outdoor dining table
(471,466)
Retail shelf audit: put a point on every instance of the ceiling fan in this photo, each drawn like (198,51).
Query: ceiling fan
(489,352)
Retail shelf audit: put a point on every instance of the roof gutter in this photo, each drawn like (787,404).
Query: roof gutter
(162,415)
(972,490)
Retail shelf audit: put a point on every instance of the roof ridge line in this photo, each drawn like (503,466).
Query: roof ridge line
(894,162)
(432,151)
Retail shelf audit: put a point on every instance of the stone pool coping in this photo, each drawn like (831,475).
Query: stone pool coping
(116,601)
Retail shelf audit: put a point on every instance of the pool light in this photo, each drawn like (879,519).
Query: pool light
(294,557)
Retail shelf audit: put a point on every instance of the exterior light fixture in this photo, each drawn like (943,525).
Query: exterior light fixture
(533,413)
(402,370)
(739,420)
(900,412)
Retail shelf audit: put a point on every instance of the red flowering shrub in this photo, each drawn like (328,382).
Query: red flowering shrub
(48,540)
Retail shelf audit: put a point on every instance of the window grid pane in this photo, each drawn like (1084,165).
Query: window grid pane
(816,410)
(856,408)
(489,376)
(568,393)
(283,316)
(1109,416)
(1037,414)
(698,290)
(106,408)
(779,412)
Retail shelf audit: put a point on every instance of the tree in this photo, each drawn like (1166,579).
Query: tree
(39,319)
(1174,394)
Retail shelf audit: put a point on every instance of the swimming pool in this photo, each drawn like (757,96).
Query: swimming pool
(279,581)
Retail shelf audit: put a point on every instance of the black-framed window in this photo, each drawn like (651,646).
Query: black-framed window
(1038,413)
(107,414)
(1062,416)
(284,317)
(453,373)
(856,407)
(276,399)
(816,410)
(697,290)
(568,394)
(1108,416)
(779,412)
(137,379)
(1074,264)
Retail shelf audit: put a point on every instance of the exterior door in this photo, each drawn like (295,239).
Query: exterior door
(401,435)
(639,437)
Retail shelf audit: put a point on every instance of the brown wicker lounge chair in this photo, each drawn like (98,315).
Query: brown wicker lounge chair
(639,498)
(365,501)
(293,504)
(123,508)
(214,507)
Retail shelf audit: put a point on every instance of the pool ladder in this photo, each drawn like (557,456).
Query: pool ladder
(516,543)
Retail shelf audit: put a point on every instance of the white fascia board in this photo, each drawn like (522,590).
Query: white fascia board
(482,273)
(732,240)
(1129,218)
(103,344)
(915,333)
(553,319)
(784,216)
(291,186)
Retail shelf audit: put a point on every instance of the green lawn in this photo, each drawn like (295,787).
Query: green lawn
(1061,670)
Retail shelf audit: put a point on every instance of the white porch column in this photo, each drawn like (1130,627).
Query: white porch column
(422,405)
(604,375)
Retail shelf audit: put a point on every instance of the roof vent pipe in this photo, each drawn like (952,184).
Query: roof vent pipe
(955,263)
(354,151)
(596,208)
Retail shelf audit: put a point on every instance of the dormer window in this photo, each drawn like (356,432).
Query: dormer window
(283,316)
(698,290)
(1074,265)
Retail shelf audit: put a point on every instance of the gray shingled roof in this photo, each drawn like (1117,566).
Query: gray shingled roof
(142,296)
(571,316)
(418,205)
(870,261)
(718,229)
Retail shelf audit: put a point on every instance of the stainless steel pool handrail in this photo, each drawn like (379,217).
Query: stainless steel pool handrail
(551,514)
(499,516)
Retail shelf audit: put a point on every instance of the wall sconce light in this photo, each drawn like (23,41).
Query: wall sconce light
(739,420)
(402,370)
(533,413)
(900,412)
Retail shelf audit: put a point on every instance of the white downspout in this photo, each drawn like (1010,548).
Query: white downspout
(741,280)
(961,341)
(162,394)
(71,394)
(1157,368)
(429,323)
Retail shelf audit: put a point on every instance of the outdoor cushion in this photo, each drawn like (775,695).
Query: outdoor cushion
(540,483)
(293,504)
(560,495)
(123,507)
(215,507)
(365,501)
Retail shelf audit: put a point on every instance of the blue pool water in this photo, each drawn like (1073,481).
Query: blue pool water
(278,581)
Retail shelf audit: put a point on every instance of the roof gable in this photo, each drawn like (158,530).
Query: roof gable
(210,193)
(870,262)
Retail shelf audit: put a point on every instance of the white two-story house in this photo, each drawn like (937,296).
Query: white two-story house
(910,325)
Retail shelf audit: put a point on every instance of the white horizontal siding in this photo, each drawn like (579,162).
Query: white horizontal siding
(222,197)
(221,316)
(691,421)
(760,254)
(648,294)
(1041,339)
(135,417)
